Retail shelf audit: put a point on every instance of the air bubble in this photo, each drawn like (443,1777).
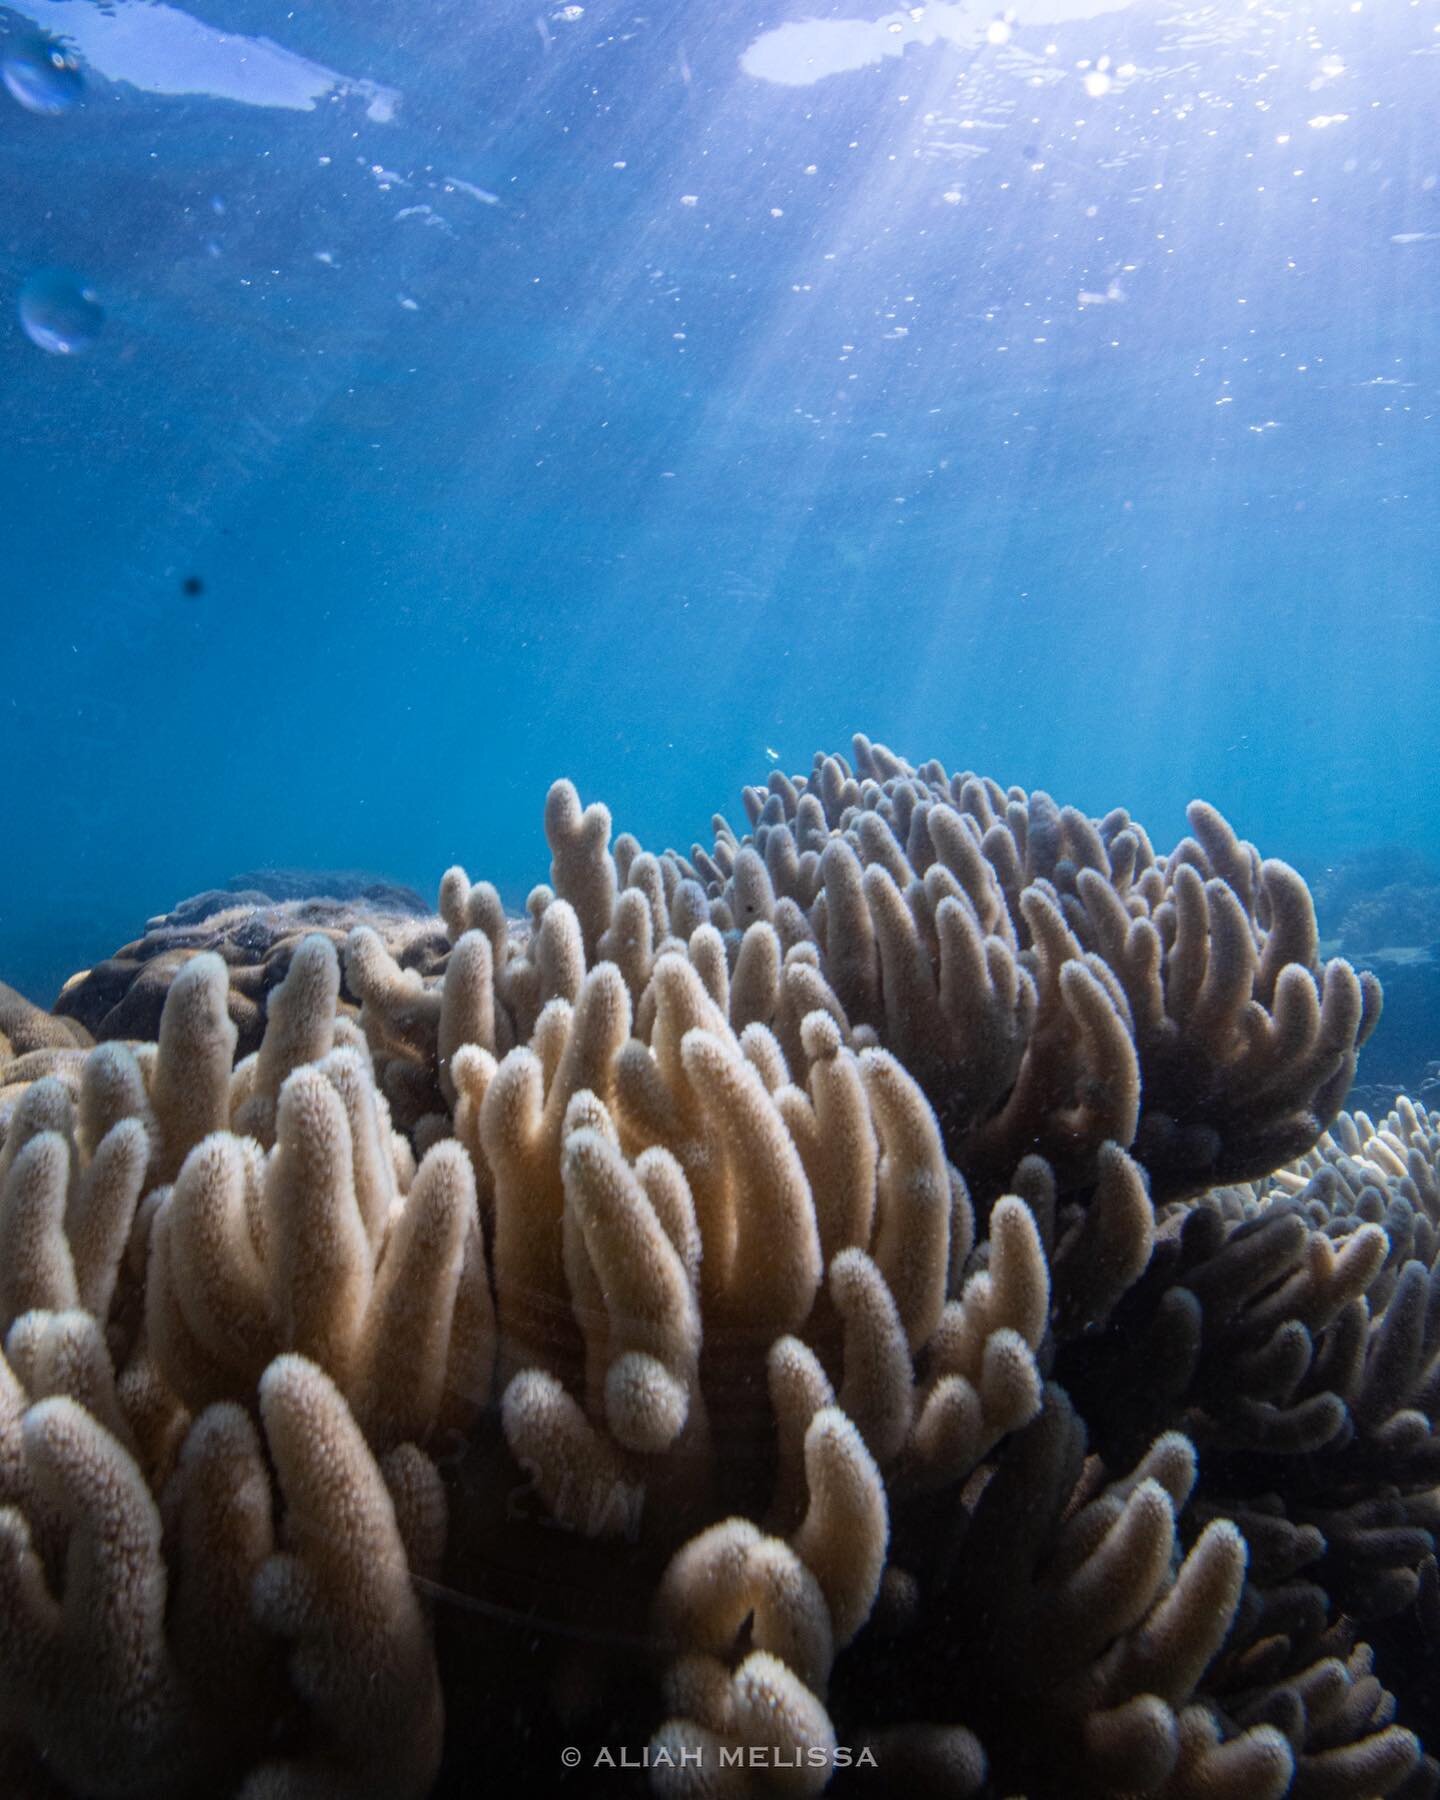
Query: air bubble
(42,76)
(60,313)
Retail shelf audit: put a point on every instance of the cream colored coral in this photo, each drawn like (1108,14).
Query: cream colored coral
(633,1295)
(315,1250)
(128,1682)
(672,1111)
(521,1122)
(340,1594)
(760,1705)
(796,1604)
(66,1213)
(89,1672)
(845,1532)
(1029,964)
(299,1029)
(583,870)
(189,1088)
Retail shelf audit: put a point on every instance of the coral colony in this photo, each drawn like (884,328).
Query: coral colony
(890,1300)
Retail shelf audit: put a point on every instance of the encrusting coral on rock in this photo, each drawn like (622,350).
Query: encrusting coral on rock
(887,1298)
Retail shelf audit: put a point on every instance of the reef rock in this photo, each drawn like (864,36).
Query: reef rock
(255,933)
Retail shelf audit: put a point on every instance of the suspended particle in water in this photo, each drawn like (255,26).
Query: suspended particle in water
(192,587)
(60,313)
(43,76)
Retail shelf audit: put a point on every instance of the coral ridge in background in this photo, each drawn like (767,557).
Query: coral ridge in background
(890,1298)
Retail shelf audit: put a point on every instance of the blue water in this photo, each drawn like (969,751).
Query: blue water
(1087,438)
